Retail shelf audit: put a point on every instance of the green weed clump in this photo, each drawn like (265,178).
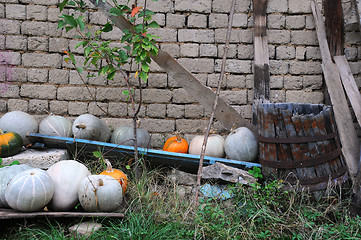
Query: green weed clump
(155,208)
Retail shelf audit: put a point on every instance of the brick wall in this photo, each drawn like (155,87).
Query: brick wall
(36,79)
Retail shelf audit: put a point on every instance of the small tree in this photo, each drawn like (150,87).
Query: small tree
(138,46)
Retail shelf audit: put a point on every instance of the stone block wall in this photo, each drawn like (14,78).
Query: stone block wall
(35,78)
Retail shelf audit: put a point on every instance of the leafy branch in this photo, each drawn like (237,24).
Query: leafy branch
(138,46)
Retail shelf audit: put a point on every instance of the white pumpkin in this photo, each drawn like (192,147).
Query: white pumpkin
(67,176)
(30,190)
(6,174)
(54,125)
(241,144)
(214,147)
(100,193)
(88,126)
(124,135)
(19,122)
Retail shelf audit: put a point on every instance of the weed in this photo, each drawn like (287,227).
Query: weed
(155,209)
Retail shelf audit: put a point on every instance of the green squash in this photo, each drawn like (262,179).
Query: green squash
(10,143)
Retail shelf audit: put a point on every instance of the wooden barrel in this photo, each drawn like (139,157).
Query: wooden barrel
(298,143)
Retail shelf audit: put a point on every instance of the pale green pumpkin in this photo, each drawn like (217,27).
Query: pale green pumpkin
(30,190)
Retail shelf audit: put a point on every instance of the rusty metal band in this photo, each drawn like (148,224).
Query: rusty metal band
(298,139)
(320,159)
(324,179)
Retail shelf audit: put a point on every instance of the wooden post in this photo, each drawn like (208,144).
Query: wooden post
(261,56)
(226,114)
(334,26)
(347,132)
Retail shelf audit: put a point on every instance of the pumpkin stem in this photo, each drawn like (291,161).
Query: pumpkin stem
(101,182)
(138,123)
(80,125)
(1,132)
(109,165)
(178,135)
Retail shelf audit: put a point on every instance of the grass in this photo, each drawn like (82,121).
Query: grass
(155,209)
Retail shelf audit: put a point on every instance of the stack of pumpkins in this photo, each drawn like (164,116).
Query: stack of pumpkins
(241,144)
(17,124)
(61,187)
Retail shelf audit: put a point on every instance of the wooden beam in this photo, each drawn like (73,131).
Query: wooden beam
(226,114)
(350,144)
(349,85)
(334,26)
(358,9)
(261,57)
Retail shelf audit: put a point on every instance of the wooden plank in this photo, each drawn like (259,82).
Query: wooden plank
(350,85)
(269,132)
(261,56)
(347,132)
(334,26)
(283,150)
(295,148)
(300,132)
(226,114)
(358,8)
(12,214)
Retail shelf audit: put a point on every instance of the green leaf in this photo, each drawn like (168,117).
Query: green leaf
(115,11)
(103,70)
(71,55)
(143,76)
(82,43)
(61,24)
(111,75)
(147,13)
(80,23)
(139,28)
(107,27)
(143,55)
(15,163)
(70,20)
(87,51)
(153,24)
(68,28)
(94,62)
(97,154)
(63,4)
(80,70)
(125,92)
(145,67)
(127,48)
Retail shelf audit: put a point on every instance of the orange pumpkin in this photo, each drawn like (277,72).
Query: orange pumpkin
(117,174)
(176,144)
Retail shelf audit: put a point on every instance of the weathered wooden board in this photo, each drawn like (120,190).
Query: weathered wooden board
(261,56)
(350,85)
(334,26)
(12,214)
(358,8)
(346,129)
(227,115)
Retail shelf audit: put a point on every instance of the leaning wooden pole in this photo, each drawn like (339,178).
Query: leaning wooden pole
(215,103)
(224,113)
(350,143)
(261,57)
